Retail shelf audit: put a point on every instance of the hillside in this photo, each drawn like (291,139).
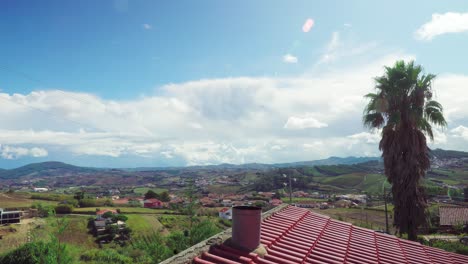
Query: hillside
(51,168)
(337,175)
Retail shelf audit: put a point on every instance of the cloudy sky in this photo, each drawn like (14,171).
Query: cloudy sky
(162,83)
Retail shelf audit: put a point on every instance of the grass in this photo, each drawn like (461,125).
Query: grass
(143,224)
(143,190)
(18,200)
(348,180)
(373,183)
(123,210)
(76,231)
(18,237)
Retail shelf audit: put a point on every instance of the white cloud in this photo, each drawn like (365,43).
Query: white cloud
(371,138)
(12,152)
(331,49)
(301,122)
(348,25)
(440,24)
(209,121)
(288,58)
(461,132)
(147,26)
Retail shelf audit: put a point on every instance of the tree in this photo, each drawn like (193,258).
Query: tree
(191,207)
(164,197)
(403,108)
(79,195)
(151,194)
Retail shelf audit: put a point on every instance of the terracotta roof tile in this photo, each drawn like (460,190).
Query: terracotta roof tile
(297,235)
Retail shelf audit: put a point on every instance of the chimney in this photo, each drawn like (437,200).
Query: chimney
(246,222)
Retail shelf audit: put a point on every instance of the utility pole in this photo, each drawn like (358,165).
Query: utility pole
(290,187)
(386,212)
(290,190)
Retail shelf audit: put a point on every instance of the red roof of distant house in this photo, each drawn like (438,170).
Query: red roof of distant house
(101,212)
(451,215)
(152,200)
(224,210)
(296,235)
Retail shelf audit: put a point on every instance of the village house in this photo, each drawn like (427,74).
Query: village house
(207,202)
(275,202)
(453,215)
(153,203)
(296,235)
(9,217)
(100,213)
(226,202)
(40,189)
(226,213)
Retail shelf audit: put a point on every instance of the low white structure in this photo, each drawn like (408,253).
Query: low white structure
(41,189)
(226,202)
(226,213)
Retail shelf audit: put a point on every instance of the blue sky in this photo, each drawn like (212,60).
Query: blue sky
(148,83)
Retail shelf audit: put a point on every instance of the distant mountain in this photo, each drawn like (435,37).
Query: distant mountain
(265,166)
(50,168)
(57,169)
(329,161)
(448,154)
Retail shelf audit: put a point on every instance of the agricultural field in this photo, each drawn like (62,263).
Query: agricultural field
(15,235)
(14,200)
(142,224)
(373,219)
(123,210)
(143,190)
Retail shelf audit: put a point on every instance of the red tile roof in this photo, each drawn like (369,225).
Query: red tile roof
(224,210)
(152,200)
(101,212)
(453,215)
(296,235)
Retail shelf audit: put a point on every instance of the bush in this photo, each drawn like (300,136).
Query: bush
(87,203)
(64,209)
(456,247)
(225,222)
(105,255)
(43,210)
(38,253)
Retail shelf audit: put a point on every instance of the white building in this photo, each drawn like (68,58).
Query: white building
(226,213)
(41,189)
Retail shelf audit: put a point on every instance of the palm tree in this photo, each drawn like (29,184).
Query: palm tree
(403,108)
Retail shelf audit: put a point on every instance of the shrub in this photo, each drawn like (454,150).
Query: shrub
(87,203)
(105,255)
(64,209)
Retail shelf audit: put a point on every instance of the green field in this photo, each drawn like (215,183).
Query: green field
(345,180)
(143,190)
(123,210)
(143,224)
(20,200)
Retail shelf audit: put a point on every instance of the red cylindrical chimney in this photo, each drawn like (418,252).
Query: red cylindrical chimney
(246,223)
